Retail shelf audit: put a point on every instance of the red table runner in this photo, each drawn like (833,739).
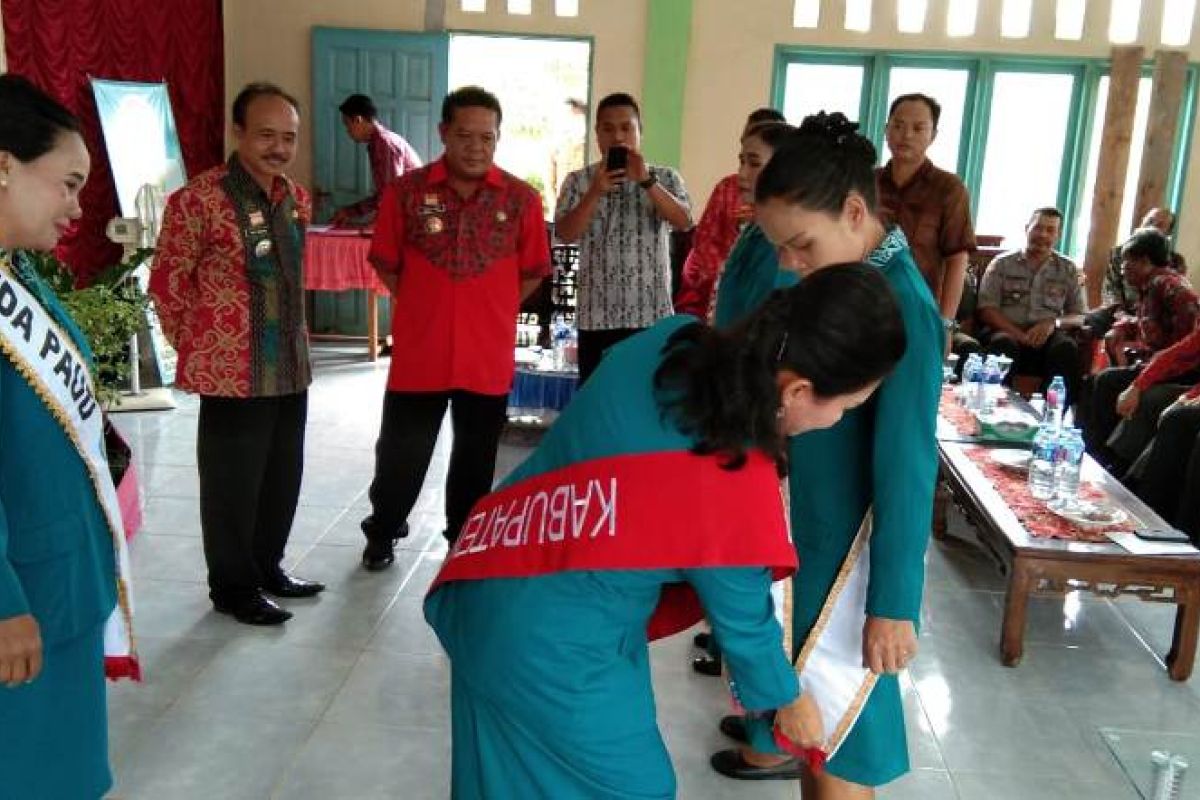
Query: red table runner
(1013,487)
(1038,520)
(335,260)
(953,412)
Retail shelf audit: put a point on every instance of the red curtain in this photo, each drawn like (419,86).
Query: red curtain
(60,44)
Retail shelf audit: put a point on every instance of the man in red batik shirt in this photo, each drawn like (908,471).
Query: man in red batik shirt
(390,155)
(1167,311)
(227,283)
(459,243)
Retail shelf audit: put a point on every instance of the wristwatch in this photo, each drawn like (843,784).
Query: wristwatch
(951,325)
(650,181)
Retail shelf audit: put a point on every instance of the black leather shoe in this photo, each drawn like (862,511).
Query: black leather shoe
(255,610)
(731,764)
(379,554)
(707,665)
(284,585)
(734,726)
(702,640)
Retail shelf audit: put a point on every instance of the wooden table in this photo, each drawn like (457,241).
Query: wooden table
(335,260)
(1037,565)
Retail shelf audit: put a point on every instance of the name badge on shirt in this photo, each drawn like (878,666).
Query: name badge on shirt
(434,225)
(431,204)
(262,247)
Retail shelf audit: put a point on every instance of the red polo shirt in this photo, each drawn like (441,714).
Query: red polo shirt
(459,264)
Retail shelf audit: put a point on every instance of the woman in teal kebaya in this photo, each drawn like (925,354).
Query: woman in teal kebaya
(547,635)
(815,204)
(57,571)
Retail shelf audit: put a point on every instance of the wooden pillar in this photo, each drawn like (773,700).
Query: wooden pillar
(1114,161)
(1170,79)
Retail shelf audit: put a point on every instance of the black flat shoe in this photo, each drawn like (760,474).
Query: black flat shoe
(734,727)
(284,585)
(256,610)
(701,640)
(731,764)
(707,665)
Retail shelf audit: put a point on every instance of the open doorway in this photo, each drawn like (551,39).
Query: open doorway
(544,86)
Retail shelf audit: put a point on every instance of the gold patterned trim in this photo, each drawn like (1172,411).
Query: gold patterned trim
(810,643)
(62,418)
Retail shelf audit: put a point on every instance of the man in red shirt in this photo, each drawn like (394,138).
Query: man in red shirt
(1167,311)
(390,155)
(228,288)
(459,243)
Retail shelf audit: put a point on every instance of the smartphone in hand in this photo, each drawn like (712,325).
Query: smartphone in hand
(617,158)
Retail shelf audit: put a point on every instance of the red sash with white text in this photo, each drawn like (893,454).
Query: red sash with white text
(648,511)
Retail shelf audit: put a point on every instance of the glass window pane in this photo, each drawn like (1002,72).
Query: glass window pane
(520,6)
(960,18)
(809,88)
(949,88)
(1023,162)
(1015,18)
(474,6)
(1068,19)
(1140,115)
(543,85)
(1123,21)
(910,15)
(858,15)
(1177,22)
(806,14)
(566,8)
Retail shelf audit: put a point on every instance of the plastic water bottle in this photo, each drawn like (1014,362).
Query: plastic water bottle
(1041,462)
(1038,404)
(1168,776)
(992,375)
(972,377)
(560,336)
(1068,460)
(572,348)
(1056,401)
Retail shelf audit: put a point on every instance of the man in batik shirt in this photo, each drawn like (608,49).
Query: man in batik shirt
(459,243)
(229,290)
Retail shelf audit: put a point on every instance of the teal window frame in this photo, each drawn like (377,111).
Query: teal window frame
(982,69)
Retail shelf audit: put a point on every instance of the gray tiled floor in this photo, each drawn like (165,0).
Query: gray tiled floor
(349,700)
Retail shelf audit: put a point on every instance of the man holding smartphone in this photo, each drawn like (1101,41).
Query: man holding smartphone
(620,211)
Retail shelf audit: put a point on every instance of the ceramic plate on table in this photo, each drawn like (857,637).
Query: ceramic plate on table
(1088,515)
(1016,460)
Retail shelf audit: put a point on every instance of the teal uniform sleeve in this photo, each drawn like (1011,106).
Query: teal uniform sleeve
(737,601)
(905,460)
(12,596)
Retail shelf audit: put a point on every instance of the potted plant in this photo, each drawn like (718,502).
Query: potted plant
(109,311)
